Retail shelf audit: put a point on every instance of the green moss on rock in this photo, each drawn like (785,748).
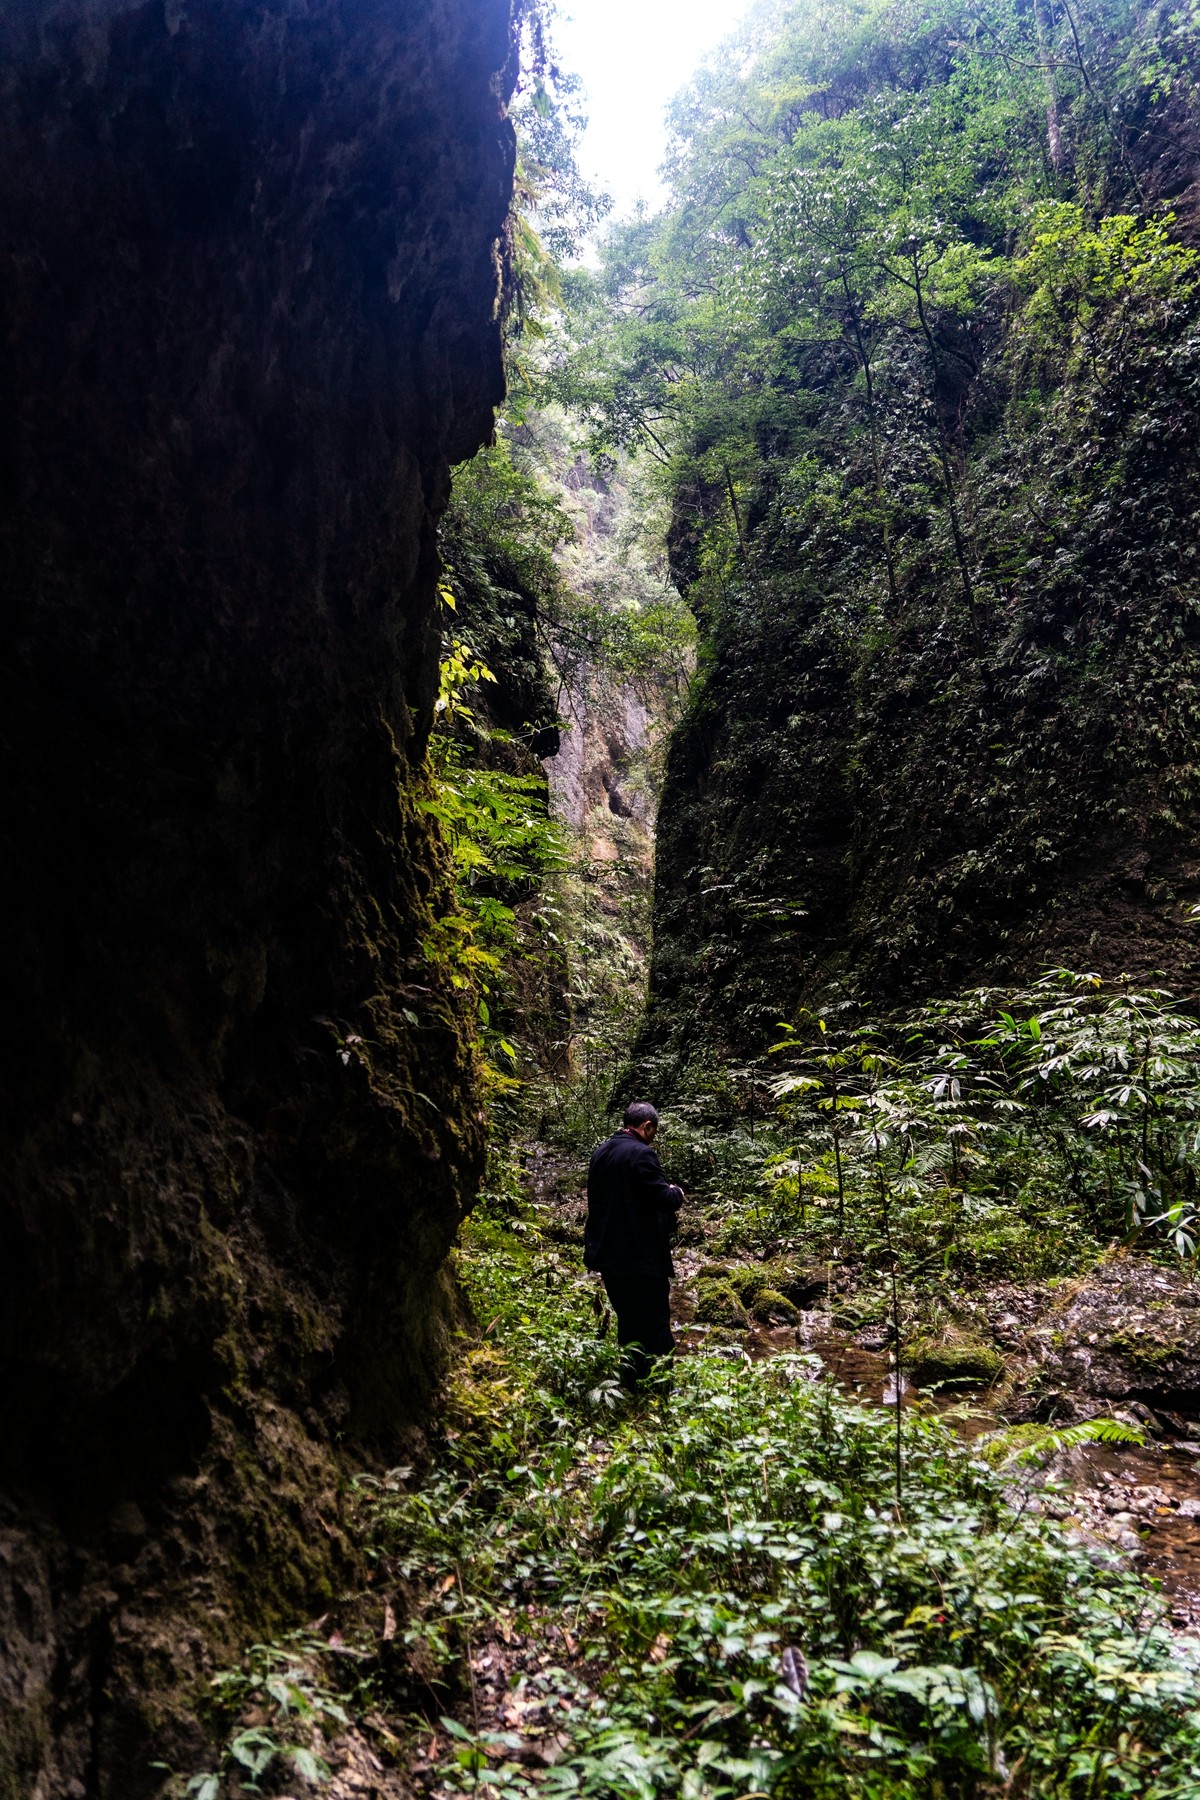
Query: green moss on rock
(1144,1350)
(717,1303)
(798,1282)
(955,1362)
(915,797)
(795,1283)
(770,1307)
(749,1281)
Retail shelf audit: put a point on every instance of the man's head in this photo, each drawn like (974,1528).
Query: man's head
(642,1119)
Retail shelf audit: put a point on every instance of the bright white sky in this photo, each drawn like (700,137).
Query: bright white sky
(633,56)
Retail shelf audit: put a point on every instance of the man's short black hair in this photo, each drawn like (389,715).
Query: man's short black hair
(641,1113)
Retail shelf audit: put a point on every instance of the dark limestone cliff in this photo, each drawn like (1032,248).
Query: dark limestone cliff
(252,292)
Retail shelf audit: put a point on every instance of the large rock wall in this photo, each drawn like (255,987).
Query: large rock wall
(886,792)
(252,291)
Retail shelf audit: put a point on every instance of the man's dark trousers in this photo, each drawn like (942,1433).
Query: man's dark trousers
(642,1304)
(631,1214)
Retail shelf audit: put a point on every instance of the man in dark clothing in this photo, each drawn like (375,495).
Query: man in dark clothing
(631,1214)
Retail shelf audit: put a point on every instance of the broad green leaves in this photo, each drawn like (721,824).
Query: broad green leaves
(284,1683)
(681,1546)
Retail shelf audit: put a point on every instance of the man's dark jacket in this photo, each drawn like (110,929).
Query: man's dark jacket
(631,1209)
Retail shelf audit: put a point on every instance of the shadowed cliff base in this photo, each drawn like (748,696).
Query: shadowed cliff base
(253,281)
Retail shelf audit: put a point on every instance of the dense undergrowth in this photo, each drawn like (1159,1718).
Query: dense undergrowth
(740,1581)
(741,1605)
(1003,1133)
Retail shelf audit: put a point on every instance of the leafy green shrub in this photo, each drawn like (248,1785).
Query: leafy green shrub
(1005,1133)
(284,1684)
(1037,1443)
(742,1513)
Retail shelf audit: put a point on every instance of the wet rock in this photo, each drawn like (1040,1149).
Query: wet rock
(1129,1333)
(874,1338)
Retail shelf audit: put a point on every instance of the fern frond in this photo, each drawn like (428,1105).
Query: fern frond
(1026,1444)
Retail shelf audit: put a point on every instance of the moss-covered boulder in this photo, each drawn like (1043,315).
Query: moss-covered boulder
(800,1283)
(770,1307)
(958,1361)
(799,1286)
(717,1303)
(749,1281)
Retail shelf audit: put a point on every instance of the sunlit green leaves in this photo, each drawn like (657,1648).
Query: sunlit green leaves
(682,1546)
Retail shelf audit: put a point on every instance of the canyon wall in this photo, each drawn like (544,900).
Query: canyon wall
(253,283)
(941,542)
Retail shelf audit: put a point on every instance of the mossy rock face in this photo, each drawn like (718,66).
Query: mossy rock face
(1142,1350)
(717,1303)
(956,1363)
(713,1271)
(770,1307)
(1130,1331)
